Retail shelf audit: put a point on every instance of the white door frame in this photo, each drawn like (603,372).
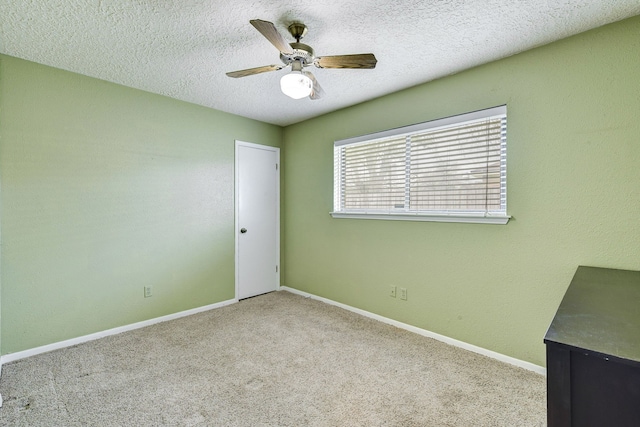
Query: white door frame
(236,225)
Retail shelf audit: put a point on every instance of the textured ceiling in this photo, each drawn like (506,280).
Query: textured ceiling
(182,48)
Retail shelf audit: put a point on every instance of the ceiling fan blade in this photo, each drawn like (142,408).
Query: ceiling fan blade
(252,71)
(363,60)
(270,32)
(316,91)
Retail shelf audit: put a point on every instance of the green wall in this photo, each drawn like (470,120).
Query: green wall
(573,191)
(106,189)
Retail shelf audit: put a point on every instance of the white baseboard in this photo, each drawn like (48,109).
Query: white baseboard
(79,340)
(466,346)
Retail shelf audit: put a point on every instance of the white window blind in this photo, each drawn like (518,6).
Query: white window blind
(452,169)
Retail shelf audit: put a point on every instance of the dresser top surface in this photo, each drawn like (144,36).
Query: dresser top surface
(600,312)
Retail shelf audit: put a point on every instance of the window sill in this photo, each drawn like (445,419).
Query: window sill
(475,219)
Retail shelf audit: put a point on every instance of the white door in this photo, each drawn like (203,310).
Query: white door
(257,219)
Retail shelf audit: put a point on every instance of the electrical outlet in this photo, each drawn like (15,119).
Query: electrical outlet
(403,294)
(392,291)
(148,291)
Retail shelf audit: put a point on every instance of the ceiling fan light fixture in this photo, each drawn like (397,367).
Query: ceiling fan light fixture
(296,85)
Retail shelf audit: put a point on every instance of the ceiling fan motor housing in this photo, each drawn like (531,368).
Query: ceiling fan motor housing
(301,52)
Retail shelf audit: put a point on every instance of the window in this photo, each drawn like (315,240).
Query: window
(452,169)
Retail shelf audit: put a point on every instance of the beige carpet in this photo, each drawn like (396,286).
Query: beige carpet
(274,360)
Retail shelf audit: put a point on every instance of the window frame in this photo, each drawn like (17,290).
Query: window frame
(485,217)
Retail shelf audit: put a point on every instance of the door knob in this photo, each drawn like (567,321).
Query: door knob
(243,230)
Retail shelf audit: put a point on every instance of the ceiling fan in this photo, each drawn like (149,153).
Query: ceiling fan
(300,83)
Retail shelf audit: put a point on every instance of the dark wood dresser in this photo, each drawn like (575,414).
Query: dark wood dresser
(593,351)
